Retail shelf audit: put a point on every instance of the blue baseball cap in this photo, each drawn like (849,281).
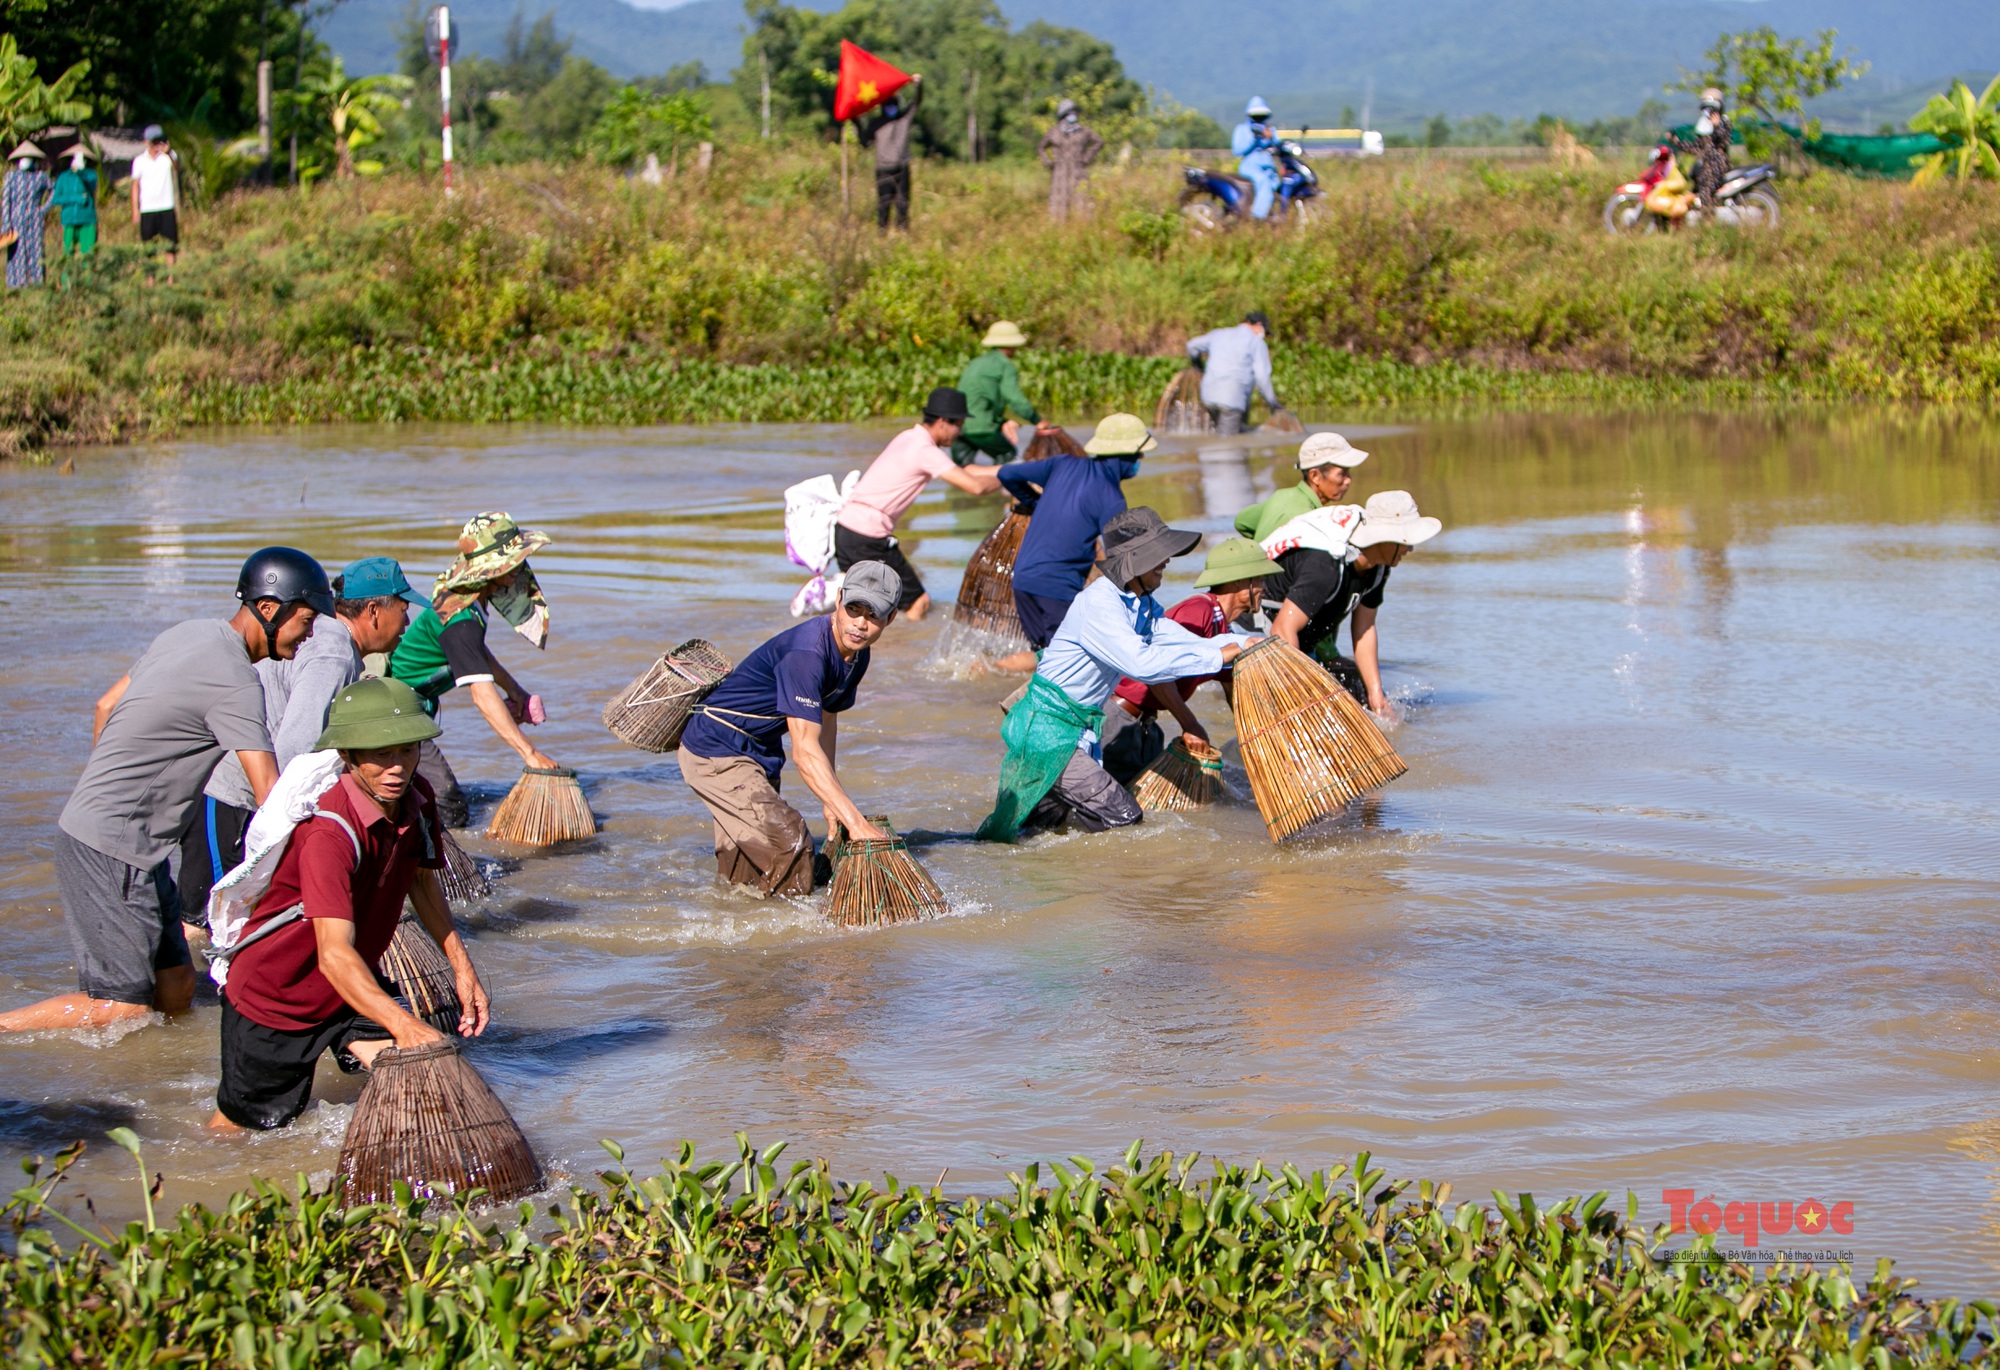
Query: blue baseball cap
(372,577)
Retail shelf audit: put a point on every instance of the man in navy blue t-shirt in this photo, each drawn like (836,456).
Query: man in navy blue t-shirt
(1072,499)
(798,683)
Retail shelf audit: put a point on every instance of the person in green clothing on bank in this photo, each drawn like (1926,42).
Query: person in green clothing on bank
(445,646)
(1326,465)
(76,197)
(992,386)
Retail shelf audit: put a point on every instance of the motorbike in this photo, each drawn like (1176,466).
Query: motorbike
(1214,200)
(1746,199)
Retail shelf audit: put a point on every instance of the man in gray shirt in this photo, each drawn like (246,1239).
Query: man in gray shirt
(371,609)
(1237,361)
(159,732)
(889,131)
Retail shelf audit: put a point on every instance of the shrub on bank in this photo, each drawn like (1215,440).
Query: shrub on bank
(747,288)
(1143,1264)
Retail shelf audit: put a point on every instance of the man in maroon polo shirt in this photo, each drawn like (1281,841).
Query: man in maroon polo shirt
(303,977)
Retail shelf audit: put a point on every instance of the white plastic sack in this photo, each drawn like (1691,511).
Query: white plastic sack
(291,802)
(811,509)
(818,595)
(1325,529)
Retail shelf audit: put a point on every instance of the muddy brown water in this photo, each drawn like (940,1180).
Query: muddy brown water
(1693,882)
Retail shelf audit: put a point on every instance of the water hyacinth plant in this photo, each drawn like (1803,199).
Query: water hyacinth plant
(1154,1261)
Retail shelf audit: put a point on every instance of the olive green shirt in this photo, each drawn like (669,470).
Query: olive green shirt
(992,386)
(1259,521)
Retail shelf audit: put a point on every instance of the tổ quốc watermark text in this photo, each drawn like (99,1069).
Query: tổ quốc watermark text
(1804,1220)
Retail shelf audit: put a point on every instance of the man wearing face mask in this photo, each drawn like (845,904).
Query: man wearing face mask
(1072,499)
(1054,775)
(445,646)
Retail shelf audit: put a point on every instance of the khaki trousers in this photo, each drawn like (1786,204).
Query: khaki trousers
(760,840)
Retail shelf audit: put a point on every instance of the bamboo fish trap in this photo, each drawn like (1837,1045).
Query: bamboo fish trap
(462,881)
(1282,421)
(426,1118)
(416,966)
(546,806)
(1308,747)
(837,840)
(986,594)
(877,882)
(1188,775)
(1180,409)
(651,712)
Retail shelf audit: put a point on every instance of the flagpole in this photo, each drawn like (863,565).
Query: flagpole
(846,200)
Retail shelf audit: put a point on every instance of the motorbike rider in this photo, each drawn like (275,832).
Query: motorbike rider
(1255,141)
(1710,146)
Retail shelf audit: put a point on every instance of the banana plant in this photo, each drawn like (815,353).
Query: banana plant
(351,110)
(1971,124)
(29,105)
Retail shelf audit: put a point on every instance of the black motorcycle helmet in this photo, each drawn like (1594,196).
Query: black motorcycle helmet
(288,576)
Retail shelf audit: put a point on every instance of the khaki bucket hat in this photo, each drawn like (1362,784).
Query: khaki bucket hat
(1329,449)
(1138,541)
(1004,334)
(377,712)
(1121,435)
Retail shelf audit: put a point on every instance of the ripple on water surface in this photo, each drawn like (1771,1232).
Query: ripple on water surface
(1692,882)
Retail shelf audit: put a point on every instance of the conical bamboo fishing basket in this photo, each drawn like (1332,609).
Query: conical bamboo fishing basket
(651,712)
(428,1119)
(986,594)
(877,882)
(416,965)
(1188,775)
(1180,409)
(1307,746)
(546,806)
(837,840)
(462,881)
(1281,421)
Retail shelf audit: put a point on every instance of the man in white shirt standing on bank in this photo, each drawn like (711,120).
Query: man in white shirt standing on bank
(156,194)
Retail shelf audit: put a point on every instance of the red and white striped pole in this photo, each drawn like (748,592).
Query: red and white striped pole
(444,85)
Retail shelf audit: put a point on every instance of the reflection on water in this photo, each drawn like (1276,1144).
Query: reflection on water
(1692,882)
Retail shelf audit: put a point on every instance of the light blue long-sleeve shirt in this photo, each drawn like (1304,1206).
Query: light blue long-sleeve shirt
(1238,362)
(1109,634)
(297,695)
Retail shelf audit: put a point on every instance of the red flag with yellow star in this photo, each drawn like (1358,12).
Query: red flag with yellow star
(865,82)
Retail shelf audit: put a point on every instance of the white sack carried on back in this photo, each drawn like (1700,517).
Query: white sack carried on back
(293,800)
(1325,529)
(811,509)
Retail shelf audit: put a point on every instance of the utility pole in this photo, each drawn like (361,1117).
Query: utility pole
(764,66)
(972,116)
(437,36)
(298,81)
(264,116)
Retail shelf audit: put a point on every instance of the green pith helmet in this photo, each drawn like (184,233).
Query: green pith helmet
(1236,559)
(375,713)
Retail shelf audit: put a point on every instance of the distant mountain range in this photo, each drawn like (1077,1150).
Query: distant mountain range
(1311,58)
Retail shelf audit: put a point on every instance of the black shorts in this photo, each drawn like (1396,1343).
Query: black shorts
(267,1073)
(1040,616)
(210,849)
(850,547)
(160,223)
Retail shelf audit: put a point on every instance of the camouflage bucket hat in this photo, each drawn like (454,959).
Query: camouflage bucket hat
(490,546)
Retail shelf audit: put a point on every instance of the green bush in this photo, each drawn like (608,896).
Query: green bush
(1144,1264)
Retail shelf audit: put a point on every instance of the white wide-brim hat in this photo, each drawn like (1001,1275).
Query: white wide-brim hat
(1391,516)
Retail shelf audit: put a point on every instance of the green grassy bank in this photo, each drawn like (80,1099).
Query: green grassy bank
(561,293)
(1152,1262)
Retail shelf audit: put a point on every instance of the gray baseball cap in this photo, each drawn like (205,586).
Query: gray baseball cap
(874,586)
